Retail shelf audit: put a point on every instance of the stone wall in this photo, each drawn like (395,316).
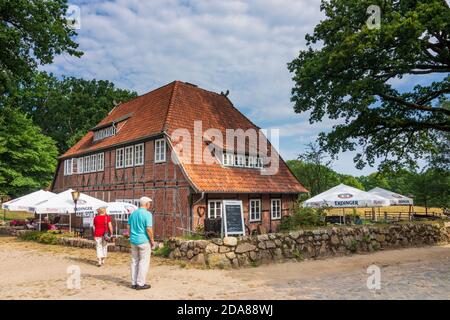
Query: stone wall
(296,245)
(120,244)
(299,245)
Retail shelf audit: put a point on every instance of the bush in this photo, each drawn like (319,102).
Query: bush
(193,237)
(49,237)
(30,235)
(164,251)
(303,217)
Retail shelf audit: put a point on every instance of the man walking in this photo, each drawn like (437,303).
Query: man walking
(141,238)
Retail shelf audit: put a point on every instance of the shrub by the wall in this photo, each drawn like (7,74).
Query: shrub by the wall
(303,217)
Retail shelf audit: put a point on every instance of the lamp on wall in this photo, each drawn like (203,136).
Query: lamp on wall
(75,197)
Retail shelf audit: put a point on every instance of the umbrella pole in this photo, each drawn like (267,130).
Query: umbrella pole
(70,223)
(40,221)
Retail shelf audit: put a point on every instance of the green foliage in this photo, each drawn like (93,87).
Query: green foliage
(66,109)
(163,251)
(312,170)
(353,247)
(316,179)
(32,33)
(303,217)
(429,188)
(351,181)
(48,237)
(193,237)
(298,255)
(27,157)
(349,71)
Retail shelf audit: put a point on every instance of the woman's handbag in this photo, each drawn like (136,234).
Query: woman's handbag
(107,235)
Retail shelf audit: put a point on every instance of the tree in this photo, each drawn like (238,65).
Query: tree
(373,180)
(431,188)
(27,157)
(347,72)
(440,158)
(351,181)
(32,32)
(66,109)
(312,170)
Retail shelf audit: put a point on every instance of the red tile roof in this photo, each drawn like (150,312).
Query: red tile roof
(178,105)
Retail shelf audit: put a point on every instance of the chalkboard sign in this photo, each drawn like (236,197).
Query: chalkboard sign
(233,218)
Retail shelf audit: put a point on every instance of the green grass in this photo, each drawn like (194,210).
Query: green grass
(193,237)
(15,215)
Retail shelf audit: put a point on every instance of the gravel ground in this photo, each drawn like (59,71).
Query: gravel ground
(35,271)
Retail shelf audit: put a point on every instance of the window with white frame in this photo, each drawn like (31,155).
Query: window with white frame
(119,158)
(255,210)
(259,163)
(128,156)
(88,161)
(160,150)
(214,209)
(252,162)
(139,154)
(100,161)
(275,208)
(104,133)
(228,159)
(85,164)
(239,160)
(93,163)
(80,165)
(68,167)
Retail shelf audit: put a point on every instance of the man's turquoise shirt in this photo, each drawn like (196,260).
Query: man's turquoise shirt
(139,221)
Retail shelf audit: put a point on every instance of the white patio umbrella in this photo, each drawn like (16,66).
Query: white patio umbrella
(395,199)
(120,209)
(343,196)
(62,203)
(25,202)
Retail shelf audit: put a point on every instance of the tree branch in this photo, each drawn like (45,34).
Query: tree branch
(414,106)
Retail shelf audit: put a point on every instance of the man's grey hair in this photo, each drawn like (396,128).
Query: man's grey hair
(144,200)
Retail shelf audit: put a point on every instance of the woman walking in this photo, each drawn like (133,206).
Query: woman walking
(102,224)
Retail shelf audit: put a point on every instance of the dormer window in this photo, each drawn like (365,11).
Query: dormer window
(242,161)
(105,132)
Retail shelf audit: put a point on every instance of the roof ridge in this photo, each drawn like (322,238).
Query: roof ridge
(229,101)
(169,107)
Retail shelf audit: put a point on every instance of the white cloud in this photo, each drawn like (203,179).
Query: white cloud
(242,46)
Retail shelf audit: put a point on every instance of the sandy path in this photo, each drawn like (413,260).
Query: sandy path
(31,270)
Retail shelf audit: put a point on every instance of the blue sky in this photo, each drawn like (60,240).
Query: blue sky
(241,46)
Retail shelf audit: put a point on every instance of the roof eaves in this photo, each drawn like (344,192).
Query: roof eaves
(183,170)
(110,146)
